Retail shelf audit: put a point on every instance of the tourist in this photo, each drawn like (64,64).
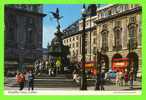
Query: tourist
(121,77)
(102,77)
(126,78)
(26,79)
(30,80)
(117,78)
(18,78)
(22,81)
(76,76)
(131,76)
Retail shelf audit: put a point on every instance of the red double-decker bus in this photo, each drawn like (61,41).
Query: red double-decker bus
(119,64)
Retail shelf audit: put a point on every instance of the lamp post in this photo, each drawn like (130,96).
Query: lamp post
(100,68)
(129,54)
(91,12)
(98,71)
(83,85)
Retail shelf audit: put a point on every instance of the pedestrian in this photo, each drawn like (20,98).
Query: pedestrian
(117,79)
(26,79)
(30,80)
(18,78)
(121,76)
(52,72)
(49,71)
(22,81)
(76,76)
(131,76)
(102,77)
(126,78)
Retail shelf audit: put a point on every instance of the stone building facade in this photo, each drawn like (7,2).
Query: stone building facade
(115,31)
(23,35)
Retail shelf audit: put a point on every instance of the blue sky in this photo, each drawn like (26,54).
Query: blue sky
(70,14)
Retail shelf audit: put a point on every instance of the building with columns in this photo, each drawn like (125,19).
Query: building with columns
(23,35)
(115,31)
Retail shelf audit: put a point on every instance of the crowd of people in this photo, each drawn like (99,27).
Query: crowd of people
(121,78)
(43,66)
(25,79)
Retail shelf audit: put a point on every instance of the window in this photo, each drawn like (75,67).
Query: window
(109,12)
(76,44)
(117,23)
(77,37)
(99,15)
(11,25)
(73,52)
(73,38)
(94,50)
(86,43)
(77,52)
(117,35)
(85,50)
(118,9)
(64,41)
(132,19)
(126,6)
(117,40)
(104,40)
(86,35)
(102,14)
(94,33)
(11,34)
(29,27)
(94,40)
(73,45)
(87,23)
(132,6)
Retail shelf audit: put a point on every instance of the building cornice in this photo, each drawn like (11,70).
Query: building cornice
(25,11)
(79,32)
(127,12)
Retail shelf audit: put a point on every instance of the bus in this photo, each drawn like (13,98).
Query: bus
(119,64)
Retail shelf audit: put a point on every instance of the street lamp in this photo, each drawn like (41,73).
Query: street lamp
(98,71)
(129,64)
(100,68)
(83,85)
(91,12)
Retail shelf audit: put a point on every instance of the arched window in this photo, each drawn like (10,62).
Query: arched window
(117,36)
(104,35)
(29,26)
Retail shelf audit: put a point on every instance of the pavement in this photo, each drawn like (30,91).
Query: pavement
(66,84)
(107,88)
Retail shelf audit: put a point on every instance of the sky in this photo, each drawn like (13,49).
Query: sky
(70,14)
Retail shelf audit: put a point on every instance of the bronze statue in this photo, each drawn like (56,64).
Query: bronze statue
(57,17)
